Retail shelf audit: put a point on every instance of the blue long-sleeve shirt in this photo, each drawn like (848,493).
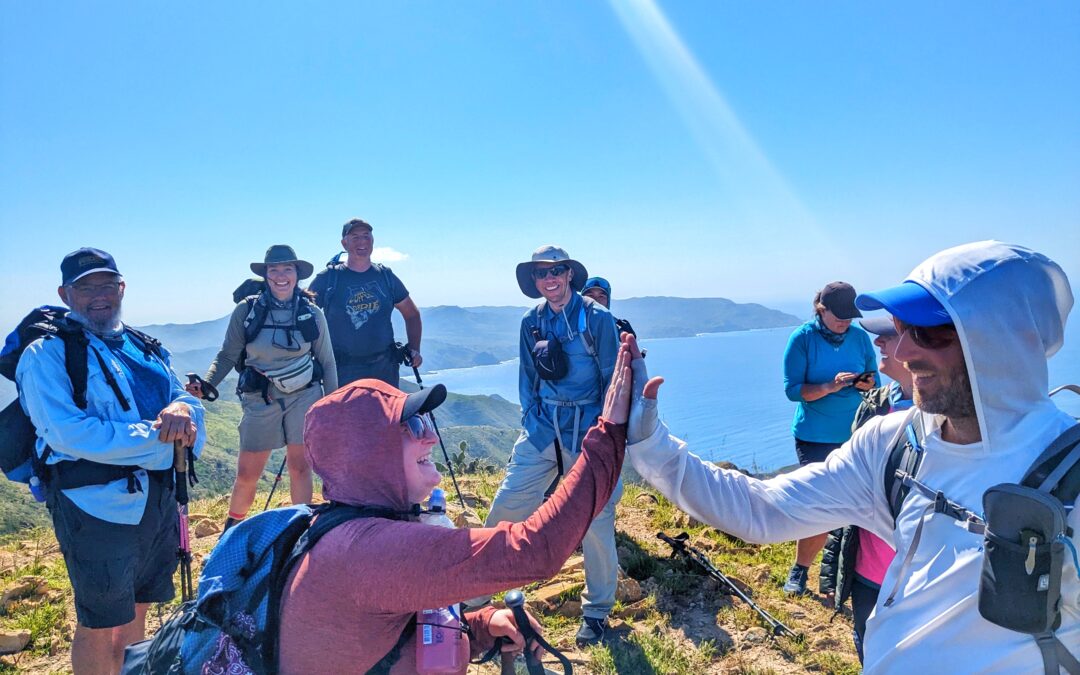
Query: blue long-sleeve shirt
(810,359)
(104,432)
(586,380)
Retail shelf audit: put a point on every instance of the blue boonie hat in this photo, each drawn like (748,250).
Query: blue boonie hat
(597,282)
(909,302)
(78,264)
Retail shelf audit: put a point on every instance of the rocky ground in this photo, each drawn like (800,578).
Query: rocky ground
(668,618)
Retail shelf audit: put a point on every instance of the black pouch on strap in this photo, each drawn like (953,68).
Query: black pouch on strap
(1020,585)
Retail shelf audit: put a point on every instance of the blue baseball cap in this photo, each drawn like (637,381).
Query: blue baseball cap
(909,302)
(597,282)
(84,261)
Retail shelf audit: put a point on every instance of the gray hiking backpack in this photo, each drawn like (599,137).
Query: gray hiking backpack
(1025,536)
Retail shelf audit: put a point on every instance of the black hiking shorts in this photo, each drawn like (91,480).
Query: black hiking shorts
(112,566)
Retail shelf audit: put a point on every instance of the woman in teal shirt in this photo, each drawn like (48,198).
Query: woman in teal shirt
(827,363)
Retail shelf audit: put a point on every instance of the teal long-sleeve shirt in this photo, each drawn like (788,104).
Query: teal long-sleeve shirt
(810,359)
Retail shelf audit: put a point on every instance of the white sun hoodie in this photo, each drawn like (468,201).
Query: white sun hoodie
(1009,305)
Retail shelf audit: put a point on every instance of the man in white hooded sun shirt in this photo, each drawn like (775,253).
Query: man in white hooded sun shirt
(978,323)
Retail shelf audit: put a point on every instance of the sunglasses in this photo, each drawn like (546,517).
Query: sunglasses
(539,273)
(928,337)
(420,426)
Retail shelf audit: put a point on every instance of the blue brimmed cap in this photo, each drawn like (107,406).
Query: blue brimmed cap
(909,302)
(597,282)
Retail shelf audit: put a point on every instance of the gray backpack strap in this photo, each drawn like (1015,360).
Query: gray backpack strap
(1056,656)
(905,458)
(1038,475)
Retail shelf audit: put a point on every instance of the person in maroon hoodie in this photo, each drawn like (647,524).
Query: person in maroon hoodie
(351,597)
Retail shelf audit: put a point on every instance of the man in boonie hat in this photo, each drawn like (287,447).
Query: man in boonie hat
(568,350)
(359,298)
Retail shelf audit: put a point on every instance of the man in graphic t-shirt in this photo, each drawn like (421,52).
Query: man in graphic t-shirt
(358,298)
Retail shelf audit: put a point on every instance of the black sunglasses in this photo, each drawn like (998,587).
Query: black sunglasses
(539,273)
(928,337)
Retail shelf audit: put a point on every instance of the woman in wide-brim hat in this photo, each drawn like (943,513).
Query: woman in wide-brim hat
(278,340)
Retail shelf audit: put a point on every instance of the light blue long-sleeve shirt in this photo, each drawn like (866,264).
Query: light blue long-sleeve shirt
(586,380)
(811,359)
(104,432)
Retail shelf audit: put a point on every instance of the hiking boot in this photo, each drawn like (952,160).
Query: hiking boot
(796,580)
(591,631)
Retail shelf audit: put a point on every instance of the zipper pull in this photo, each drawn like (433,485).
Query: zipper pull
(1029,563)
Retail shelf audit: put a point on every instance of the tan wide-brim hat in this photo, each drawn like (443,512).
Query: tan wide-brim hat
(280,254)
(551,254)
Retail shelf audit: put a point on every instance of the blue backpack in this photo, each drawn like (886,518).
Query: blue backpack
(232,624)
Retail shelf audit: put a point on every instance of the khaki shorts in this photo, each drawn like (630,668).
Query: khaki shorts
(277,424)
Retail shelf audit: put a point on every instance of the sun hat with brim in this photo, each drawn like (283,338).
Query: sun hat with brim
(879,325)
(551,254)
(423,401)
(280,254)
(909,302)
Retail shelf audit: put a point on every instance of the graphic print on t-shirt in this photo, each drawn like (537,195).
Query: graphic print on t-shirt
(362,302)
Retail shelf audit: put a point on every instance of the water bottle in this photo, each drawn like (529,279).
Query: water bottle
(439,647)
(37,489)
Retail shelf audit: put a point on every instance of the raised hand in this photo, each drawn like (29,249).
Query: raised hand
(617,402)
(644,417)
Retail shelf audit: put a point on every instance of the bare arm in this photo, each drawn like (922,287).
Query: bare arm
(413,327)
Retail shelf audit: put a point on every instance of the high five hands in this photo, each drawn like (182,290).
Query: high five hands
(631,397)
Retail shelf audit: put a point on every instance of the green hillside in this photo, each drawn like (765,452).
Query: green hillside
(488,424)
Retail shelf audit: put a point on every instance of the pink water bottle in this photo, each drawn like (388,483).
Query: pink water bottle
(439,639)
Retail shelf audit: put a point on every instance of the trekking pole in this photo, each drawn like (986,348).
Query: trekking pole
(277,479)
(180,470)
(679,546)
(406,358)
(515,602)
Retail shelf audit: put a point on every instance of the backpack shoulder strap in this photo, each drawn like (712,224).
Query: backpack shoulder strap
(905,457)
(332,272)
(147,343)
(1055,470)
(256,317)
(75,347)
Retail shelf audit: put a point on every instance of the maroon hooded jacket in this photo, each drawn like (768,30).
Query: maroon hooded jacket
(349,599)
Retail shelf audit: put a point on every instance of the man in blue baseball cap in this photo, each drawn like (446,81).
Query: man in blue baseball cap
(976,325)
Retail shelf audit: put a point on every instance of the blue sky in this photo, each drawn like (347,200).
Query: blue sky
(753,151)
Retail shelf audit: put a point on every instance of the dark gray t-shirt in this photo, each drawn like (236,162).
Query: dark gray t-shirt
(360,308)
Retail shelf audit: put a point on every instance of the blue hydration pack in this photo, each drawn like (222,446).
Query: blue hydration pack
(232,624)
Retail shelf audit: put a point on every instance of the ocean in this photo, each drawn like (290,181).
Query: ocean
(723,392)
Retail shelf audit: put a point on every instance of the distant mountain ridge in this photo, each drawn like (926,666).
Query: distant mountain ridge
(462,337)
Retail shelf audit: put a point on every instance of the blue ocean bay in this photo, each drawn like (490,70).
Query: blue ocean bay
(724,392)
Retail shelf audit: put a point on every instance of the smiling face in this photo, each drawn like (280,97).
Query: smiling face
(96,299)
(554,289)
(421,476)
(281,278)
(358,243)
(597,294)
(939,377)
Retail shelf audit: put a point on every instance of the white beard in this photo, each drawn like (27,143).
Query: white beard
(110,327)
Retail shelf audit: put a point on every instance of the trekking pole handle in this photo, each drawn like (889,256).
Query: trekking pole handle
(209,391)
(180,467)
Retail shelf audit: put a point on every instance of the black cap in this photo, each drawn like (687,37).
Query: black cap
(352,224)
(839,298)
(78,264)
(879,325)
(423,401)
